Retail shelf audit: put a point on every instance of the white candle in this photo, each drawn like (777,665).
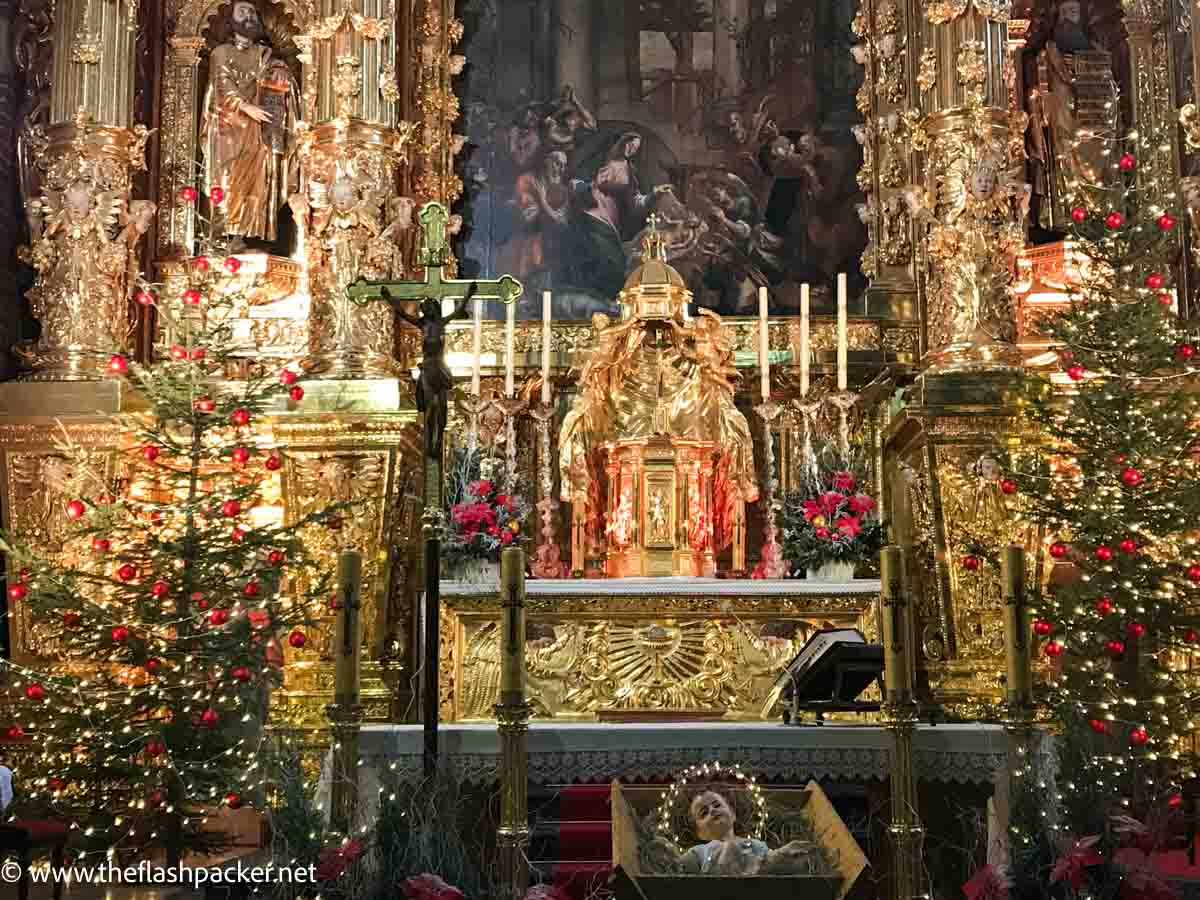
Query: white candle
(546,347)
(842,339)
(764,349)
(476,344)
(805,351)
(510,349)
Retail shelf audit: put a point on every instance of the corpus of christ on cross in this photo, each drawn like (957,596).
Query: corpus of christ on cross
(433,397)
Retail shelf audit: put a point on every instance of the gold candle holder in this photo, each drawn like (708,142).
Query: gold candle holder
(897,669)
(345,713)
(1017,651)
(512,716)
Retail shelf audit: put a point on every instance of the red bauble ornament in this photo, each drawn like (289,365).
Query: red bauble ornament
(14,732)
(188,194)
(334,603)
(1139,736)
(297,639)
(1184,352)
(1154,281)
(1076,372)
(1099,726)
(1118,459)
(1131,476)
(1192,636)
(209,718)
(127,572)
(237,535)
(233,801)
(71,619)
(150,452)
(1193,572)
(287,377)
(241,673)
(232,264)
(153,664)
(145,298)
(216,194)
(258,619)
(55,783)
(276,557)
(205,404)
(178,353)
(1008,486)
(1053,649)
(1127,162)
(1166,299)
(252,589)
(218,617)
(23,574)
(1042,628)
(273,462)
(296,393)
(18,592)
(240,416)
(1135,629)
(1104,553)
(231,508)
(201,263)
(118,364)
(199,353)
(155,747)
(1059,550)
(1175,801)
(1129,545)
(155,799)
(160,588)
(35,692)
(241,454)
(1166,221)
(120,634)
(1115,647)
(191,297)
(1079,215)
(1114,220)
(970,562)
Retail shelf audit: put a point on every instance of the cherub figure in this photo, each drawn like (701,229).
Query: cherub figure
(345,225)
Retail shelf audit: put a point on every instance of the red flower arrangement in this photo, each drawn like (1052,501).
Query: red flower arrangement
(484,520)
(832,520)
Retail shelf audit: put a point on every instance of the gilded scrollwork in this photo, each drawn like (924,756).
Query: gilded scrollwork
(928,71)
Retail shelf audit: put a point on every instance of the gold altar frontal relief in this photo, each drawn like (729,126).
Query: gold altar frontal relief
(942,466)
(637,648)
(659,509)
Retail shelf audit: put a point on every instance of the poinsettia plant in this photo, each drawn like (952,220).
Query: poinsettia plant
(831,518)
(483,517)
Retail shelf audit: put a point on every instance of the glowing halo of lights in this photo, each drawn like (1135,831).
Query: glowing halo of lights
(707,773)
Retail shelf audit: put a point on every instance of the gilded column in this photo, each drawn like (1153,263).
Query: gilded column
(352,221)
(512,713)
(438,34)
(84,226)
(177,145)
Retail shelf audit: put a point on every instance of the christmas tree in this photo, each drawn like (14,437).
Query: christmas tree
(1117,493)
(172,592)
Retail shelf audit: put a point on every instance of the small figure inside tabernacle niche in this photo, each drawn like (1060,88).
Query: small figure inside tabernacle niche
(724,852)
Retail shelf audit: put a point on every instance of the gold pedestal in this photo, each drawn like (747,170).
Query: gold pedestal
(949,512)
(660,508)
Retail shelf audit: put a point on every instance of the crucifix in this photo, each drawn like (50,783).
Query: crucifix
(433,389)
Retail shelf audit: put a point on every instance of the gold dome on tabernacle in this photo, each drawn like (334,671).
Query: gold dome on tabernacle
(654,290)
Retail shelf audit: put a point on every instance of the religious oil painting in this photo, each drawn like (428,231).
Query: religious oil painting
(725,124)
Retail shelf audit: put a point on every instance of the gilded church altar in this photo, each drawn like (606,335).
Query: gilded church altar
(125,137)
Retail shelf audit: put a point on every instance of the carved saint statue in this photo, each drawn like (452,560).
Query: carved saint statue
(248,108)
(726,853)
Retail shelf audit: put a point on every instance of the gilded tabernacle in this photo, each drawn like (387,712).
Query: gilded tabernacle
(655,457)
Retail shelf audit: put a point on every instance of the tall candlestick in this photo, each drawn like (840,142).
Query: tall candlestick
(510,349)
(897,673)
(546,347)
(804,347)
(476,344)
(764,348)
(842,339)
(1016,626)
(512,597)
(347,633)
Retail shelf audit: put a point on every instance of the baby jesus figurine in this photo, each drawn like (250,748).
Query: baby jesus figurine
(724,853)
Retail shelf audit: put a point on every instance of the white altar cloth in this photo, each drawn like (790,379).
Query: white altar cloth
(672,587)
(600,751)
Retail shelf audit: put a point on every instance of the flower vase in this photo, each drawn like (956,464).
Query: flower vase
(475,571)
(833,570)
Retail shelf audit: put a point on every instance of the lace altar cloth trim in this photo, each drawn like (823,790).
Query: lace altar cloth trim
(673,587)
(566,753)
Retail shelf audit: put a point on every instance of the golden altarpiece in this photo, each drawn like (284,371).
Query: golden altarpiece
(357,128)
